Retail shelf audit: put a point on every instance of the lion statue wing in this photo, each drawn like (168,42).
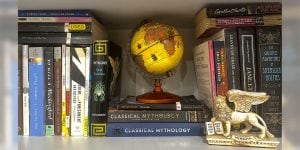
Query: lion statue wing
(244,100)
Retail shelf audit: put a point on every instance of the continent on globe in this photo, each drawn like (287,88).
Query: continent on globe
(156,48)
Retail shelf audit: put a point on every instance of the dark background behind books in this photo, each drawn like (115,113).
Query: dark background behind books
(291,73)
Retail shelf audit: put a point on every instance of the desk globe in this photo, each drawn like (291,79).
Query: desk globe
(156,49)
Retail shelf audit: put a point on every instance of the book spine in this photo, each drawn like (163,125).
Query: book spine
(54,27)
(247,50)
(58,90)
(55,19)
(63,91)
(68,91)
(232,58)
(55,38)
(20,90)
(49,91)
(54,13)
(244,9)
(87,91)
(78,90)
(154,129)
(158,107)
(156,116)
(36,91)
(241,21)
(99,101)
(220,68)
(269,55)
(25,75)
(212,71)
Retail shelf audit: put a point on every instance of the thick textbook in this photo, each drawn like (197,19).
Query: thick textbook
(105,83)
(154,129)
(186,103)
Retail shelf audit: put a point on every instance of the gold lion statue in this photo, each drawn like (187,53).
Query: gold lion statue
(241,114)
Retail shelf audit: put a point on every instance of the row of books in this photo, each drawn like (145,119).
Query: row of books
(67,72)
(238,55)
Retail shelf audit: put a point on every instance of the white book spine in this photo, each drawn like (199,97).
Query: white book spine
(25,90)
(68,84)
(87,91)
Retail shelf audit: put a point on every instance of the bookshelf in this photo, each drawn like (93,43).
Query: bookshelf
(119,17)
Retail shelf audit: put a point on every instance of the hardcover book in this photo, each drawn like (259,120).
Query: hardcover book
(49,91)
(205,72)
(158,116)
(242,9)
(220,67)
(207,26)
(55,13)
(105,83)
(25,87)
(58,90)
(154,129)
(269,60)
(20,90)
(185,103)
(36,91)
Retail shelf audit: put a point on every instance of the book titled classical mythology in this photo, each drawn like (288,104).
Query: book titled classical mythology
(36,91)
(205,72)
(154,129)
(269,60)
(186,103)
(105,82)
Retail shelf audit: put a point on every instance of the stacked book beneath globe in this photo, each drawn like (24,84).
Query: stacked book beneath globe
(183,118)
(240,48)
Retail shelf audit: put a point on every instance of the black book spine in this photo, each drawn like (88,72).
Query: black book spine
(53,27)
(269,59)
(244,9)
(54,38)
(157,116)
(106,59)
(247,50)
(20,90)
(232,58)
(49,92)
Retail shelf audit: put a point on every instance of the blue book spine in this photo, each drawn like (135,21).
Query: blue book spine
(54,13)
(36,92)
(154,129)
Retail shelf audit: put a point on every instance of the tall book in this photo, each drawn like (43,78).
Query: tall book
(205,72)
(20,90)
(49,91)
(247,51)
(25,87)
(36,91)
(87,91)
(58,90)
(220,67)
(105,70)
(68,90)
(78,77)
(269,60)
(65,123)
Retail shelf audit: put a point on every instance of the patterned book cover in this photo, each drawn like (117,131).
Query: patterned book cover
(78,89)
(247,50)
(105,83)
(220,67)
(58,90)
(154,129)
(205,72)
(36,92)
(269,58)
(49,91)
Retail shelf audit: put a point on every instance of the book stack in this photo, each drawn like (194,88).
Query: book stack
(59,51)
(240,48)
(183,118)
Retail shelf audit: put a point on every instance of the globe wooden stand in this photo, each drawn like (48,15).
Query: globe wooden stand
(157,96)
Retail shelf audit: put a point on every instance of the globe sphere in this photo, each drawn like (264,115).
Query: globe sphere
(156,48)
